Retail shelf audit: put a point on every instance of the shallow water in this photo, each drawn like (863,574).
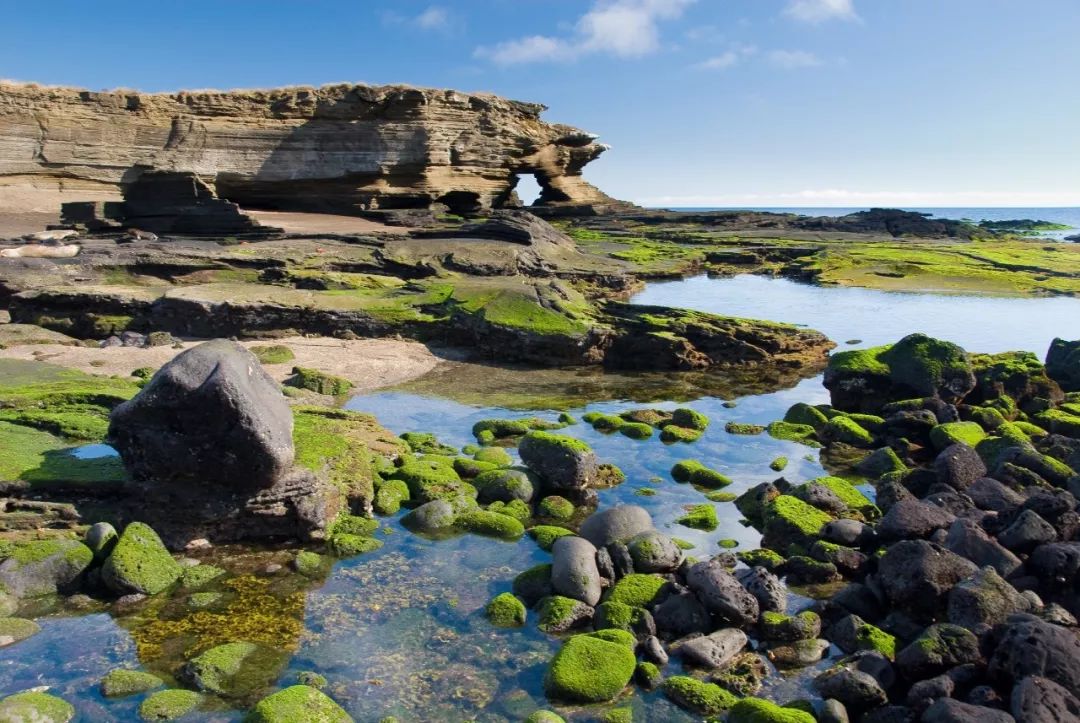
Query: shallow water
(401,631)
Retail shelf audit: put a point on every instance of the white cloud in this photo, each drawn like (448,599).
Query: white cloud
(623,28)
(846,198)
(817,11)
(720,62)
(792,59)
(434,18)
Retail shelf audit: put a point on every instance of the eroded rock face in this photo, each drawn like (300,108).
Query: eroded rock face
(337,148)
(208,443)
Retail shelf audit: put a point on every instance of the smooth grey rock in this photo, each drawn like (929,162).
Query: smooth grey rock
(101,538)
(845,532)
(431,517)
(616,524)
(560,468)
(653,650)
(714,650)
(855,689)
(681,614)
(654,551)
(573,570)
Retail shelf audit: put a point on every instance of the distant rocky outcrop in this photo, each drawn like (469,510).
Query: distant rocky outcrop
(209,443)
(340,148)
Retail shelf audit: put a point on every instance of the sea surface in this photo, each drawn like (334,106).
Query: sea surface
(401,631)
(1069,216)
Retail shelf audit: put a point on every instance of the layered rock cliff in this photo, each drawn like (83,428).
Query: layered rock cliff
(340,148)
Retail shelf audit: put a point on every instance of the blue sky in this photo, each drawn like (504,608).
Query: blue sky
(704,102)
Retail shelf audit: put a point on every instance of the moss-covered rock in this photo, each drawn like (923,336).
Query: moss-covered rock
(672,433)
(759,710)
(700,517)
(389,496)
(344,544)
(545,535)
(140,563)
(561,461)
(533,584)
(761,557)
(850,496)
(494,455)
(44,567)
(847,431)
(123,682)
(504,485)
(636,430)
(298,704)
(802,433)
(690,419)
(805,414)
(517,509)
(169,704)
(545,716)
(706,699)
(13,630)
(779,464)
(743,428)
(950,433)
(505,611)
(490,524)
(637,590)
(272,354)
(589,670)
(558,614)
(683,471)
(199,575)
(234,669)
(432,478)
(35,707)
(426,443)
(319,382)
(778,626)
(790,521)
(310,564)
(1058,421)
(556,507)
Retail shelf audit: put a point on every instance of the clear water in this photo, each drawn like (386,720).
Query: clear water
(401,631)
(1063,215)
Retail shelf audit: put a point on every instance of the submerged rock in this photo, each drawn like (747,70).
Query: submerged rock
(140,563)
(298,703)
(35,707)
(45,567)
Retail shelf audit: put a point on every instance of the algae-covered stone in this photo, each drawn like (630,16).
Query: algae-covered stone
(852,498)
(517,509)
(494,455)
(273,354)
(690,419)
(545,716)
(505,611)
(556,507)
(1063,364)
(490,524)
(743,428)
(234,669)
(559,614)
(426,443)
(44,567)
(683,471)
(139,563)
(432,478)
(636,430)
(319,382)
(533,584)
(122,682)
(761,557)
(344,544)
(789,520)
(298,704)
(950,433)
(35,707)
(589,670)
(431,517)
(788,431)
(779,464)
(12,630)
(672,433)
(805,414)
(707,699)
(354,525)
(637,590)
(700,517)
(199,575)
(545,535)
(169,704)
(848,431)
(563,462)
(759,710)
(504,485)
(389,496)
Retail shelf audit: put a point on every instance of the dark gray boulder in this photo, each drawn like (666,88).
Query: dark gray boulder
(721,593)
(1038,700)
(940,647)
(1027,532)
(858,691)
(620,523)
(573,570)
(770,591)
(959,466)
(948,710)
(1057,564)
(913,518)
(1063,364)
(989,494)
(916,576)
(1027,646)
(681,614)
(211,416)
(967,539)
(564,463)
(846,532)
(984,599)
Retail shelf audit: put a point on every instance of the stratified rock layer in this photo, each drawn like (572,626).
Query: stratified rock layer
(339,148)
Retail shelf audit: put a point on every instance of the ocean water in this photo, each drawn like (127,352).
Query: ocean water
(1066,215)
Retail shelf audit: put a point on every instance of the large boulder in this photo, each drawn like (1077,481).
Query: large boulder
(1038,700)
(564,463)
(1063,364)
(985,599)
(1029,646)
(917,575)
(620,523)
(210,416)
(721,592)
(209,444)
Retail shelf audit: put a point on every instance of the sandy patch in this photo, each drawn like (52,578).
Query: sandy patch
(368,363)
(316,223)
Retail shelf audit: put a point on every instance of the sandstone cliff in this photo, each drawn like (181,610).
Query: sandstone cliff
(339,148)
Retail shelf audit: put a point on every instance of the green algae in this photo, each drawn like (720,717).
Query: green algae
(847,430)
(557,613)
(636,430)
(761,557)
(545,535)
(140,562)
(589,670)
(805,414)
(682,471)
(491,524)
(343,544)
(759,710)
(556,507)
(801,433)
(426,443)
(298,704)
(689,419)
(35,707)
(505,611)
(969,433)
(272,354)
(169,704)
(319,382)
(850,496)
(123,682)
(743,428)
(706,699)
(871,637)
(389,496)
(310,564)
(199,575)
(637,590)
(234,669)
(494,455)
(700,517)
(789,520)
(673,433)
